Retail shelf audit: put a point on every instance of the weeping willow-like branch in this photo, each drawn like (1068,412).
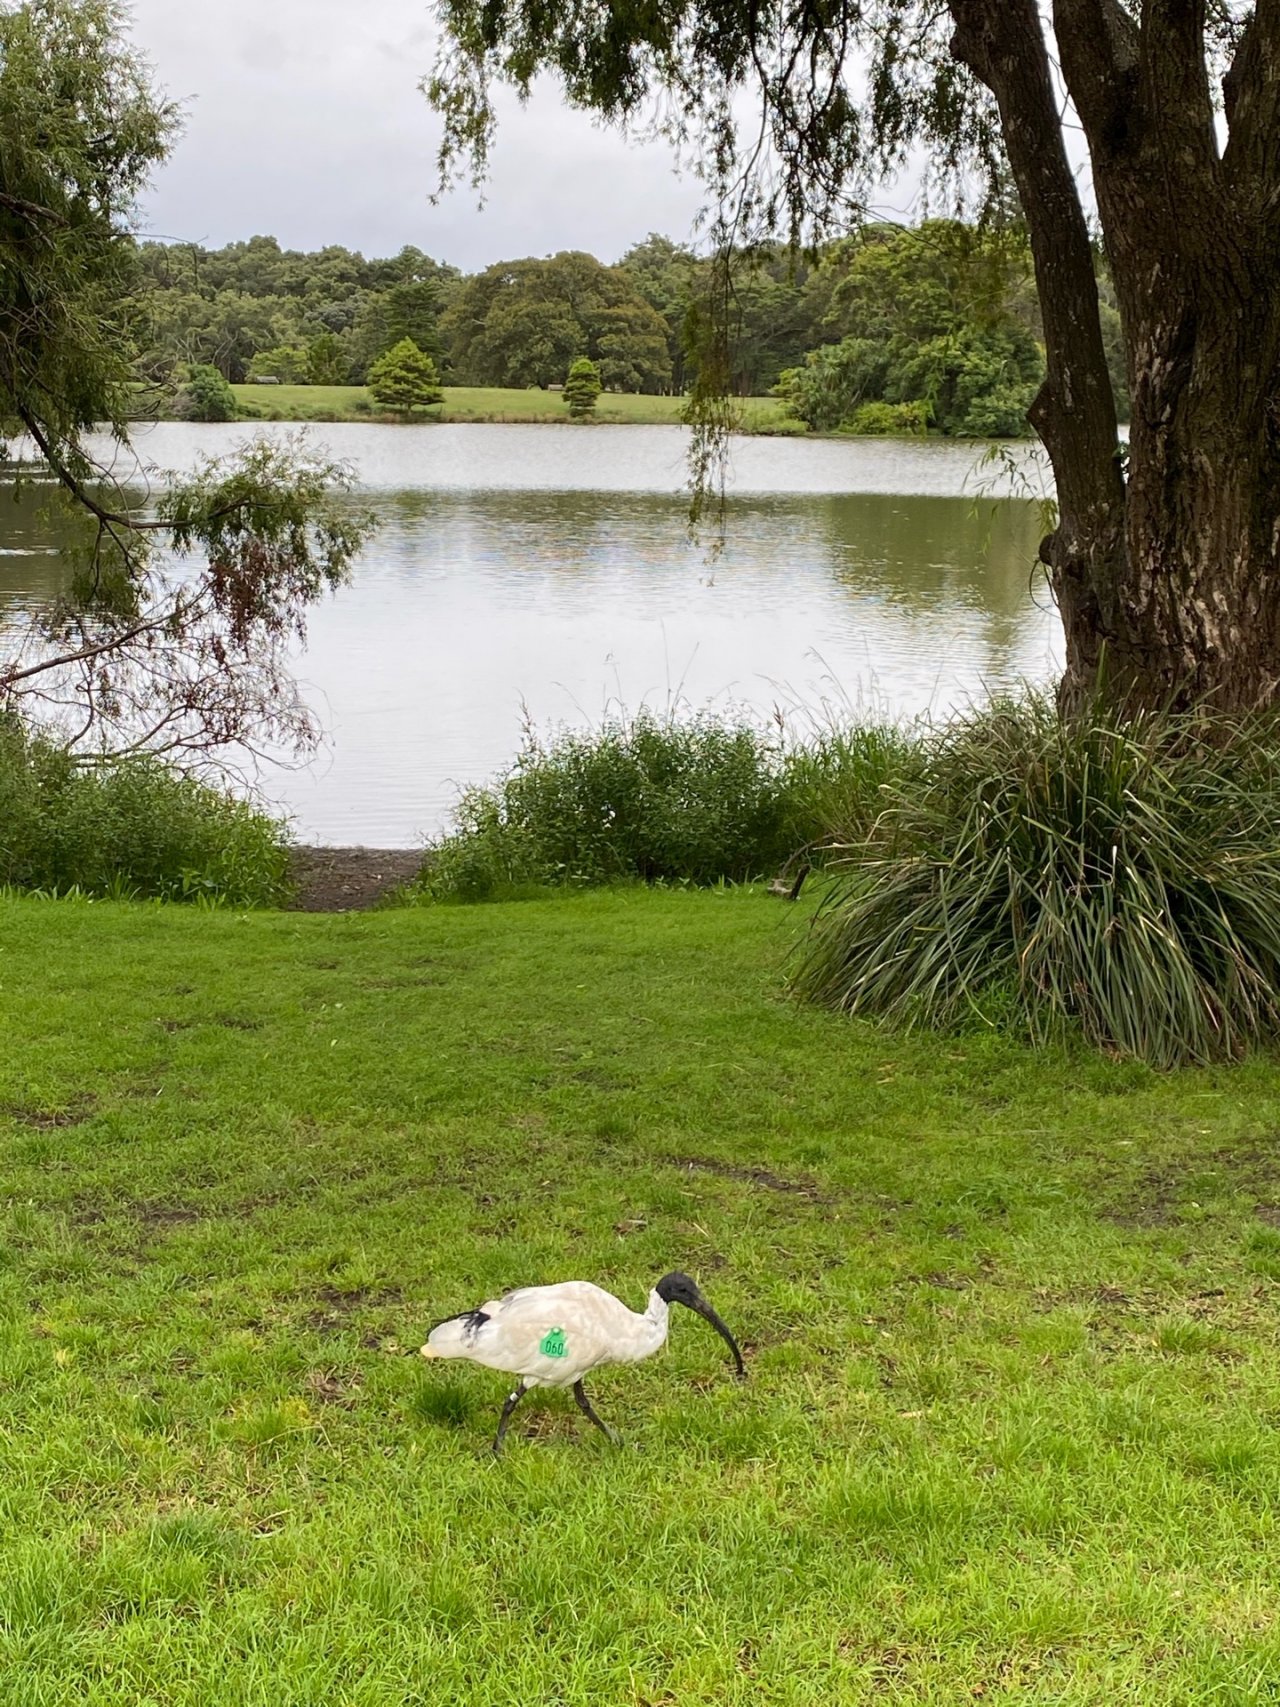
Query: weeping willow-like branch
(175,631)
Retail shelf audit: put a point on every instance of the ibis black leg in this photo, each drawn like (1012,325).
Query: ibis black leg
(585,1406)
(513,1399)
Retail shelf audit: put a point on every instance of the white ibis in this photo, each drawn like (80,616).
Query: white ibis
(551,1336)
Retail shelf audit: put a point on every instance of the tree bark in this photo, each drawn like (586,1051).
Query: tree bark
(1002,42)
(1196,272)
(1168,579)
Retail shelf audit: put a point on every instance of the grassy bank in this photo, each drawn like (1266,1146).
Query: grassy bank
(1011,1321)
(134,829)
(484,403)
(696,799)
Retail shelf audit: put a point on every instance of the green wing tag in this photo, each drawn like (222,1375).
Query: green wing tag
(552,1344)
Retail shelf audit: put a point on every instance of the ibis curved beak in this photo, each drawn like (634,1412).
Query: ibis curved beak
(704,1310)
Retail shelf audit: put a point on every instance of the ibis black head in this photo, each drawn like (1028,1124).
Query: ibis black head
(677,1288)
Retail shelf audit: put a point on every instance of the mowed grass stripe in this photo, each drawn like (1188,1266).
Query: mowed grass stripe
(494,404)
(1011,1322)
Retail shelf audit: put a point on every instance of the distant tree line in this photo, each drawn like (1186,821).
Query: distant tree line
(254,309)
(934,326)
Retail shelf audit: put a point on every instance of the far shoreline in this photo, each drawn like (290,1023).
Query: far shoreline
(351,405)
(492,406)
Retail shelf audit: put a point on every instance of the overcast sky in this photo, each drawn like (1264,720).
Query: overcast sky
(304,120)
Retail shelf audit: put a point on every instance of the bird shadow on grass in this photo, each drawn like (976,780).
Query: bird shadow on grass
(446,1406)
(545,1417)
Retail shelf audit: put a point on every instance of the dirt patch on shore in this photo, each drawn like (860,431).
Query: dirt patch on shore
(347,880)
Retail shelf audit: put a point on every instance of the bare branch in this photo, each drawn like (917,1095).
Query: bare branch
(82,495)
(30,210)
(112,643)
(111,519)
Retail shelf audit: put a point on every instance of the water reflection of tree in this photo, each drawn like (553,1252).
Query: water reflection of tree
(931,555)
(923,551)
(915,551)
(32,531)
(952,575)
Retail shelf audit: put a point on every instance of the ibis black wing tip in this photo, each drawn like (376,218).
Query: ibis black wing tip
(474,1319)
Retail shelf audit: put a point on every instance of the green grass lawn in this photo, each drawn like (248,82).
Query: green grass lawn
(303,402)
(1011,1320)
(480,403)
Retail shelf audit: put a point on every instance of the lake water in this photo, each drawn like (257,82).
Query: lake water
(547,572)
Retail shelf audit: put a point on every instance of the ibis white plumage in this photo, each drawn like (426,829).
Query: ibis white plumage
(553,1336)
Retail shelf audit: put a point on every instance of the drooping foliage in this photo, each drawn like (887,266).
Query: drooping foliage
(80,130)
(1120,875)
(139,656)
(190,653)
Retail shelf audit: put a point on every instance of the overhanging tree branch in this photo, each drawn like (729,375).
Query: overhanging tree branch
(29,210)
(84,497)
(112,643)
(1171,568)
(138,647)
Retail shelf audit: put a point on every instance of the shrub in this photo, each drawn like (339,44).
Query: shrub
(582,388)
(135,827)
(888,419)
(1000,413)
(1122,877)
(972,383)
(835,783)
(833,382)
(205,396)
(699,800)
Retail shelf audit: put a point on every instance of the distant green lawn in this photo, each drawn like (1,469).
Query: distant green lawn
(1012,1324)
(479,403)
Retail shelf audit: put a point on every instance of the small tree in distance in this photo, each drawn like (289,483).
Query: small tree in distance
(404,379)
(206,396)
(582,388)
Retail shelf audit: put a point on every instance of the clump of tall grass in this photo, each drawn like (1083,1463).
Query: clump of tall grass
(699,799)
(1117,875)
(134,828)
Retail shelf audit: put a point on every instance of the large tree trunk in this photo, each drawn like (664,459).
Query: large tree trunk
(1167,573)
(1197,610)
